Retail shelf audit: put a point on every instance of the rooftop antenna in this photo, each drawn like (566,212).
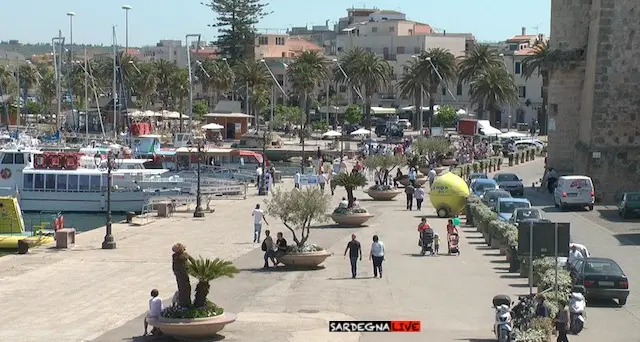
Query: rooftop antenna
(537,28)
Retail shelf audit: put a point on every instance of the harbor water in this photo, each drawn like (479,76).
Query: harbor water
(82,222)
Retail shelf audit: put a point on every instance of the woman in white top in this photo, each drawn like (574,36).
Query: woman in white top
(377,256)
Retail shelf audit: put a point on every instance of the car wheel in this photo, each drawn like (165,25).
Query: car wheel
(591,207)
(622,301)
(443,213)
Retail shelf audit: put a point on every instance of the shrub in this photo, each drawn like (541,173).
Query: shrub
(542,265)
(498,229)
(474,199)
(485,214)
(548,279)
(531,335)
(511,237)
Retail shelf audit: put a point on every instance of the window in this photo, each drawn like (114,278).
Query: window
(38,181)
(513,47)
(279,40)
(27,182)
(459,89)
(8,158)
(444,91)
(522,91)
(83,182)
(392,29)
(416,50)
(374,29)
(95,183)
(263,40)
(19,158)
(510,207)
(50,183)
(72,183)
(517,68)
(343,88)
(62,182)
(400,50)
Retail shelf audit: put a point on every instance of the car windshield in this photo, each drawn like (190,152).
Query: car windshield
(506,177)
(633,197)
(527,214)
(478,176)
(509,207)
(484,186)
(494,195)
(602,267)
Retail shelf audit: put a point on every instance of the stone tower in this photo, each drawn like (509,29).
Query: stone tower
(594,97)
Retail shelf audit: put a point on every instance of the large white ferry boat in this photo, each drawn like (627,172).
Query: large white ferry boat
(59,182)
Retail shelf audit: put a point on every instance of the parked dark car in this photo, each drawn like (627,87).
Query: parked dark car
(348,128)
(490,197)
(602,278)
(629,205)
(510,182)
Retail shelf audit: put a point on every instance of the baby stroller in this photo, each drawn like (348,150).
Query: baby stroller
(426,241)
(452,244)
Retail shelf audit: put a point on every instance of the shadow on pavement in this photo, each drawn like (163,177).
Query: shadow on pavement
(335,226)
(476,339)
(478,243)
(281,269)
(632,239)
(612,215)
(427,216)
(168,339)
(510,276)
(502,261)
(602,303)
(416,255)
(349,278)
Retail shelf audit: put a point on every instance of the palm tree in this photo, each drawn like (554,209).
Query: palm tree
(481,59)
(306,73)
(350,181)
(47,87)
(435,66)
(370,72)
(205,271)
(253,74)
(541,61)
(347,62)
(164,71)
(494,88)
(179,90)
(219,80)
(145,84)
(411,84)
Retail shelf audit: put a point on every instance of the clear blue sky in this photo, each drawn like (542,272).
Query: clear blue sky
(151,20)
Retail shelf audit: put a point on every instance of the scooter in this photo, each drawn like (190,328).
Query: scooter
(502,328)
(577,307)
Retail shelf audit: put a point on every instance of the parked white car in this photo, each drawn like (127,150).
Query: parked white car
(404,124)
(574,191)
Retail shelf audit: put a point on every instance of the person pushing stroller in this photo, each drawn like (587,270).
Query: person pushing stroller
(452,238)
(426,237)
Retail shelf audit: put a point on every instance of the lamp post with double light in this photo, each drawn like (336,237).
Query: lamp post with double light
(126,9)
(200,146)
(199,36)
(262,189)
(508,104)
(109,165)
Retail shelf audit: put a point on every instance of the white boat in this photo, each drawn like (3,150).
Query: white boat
(69,190)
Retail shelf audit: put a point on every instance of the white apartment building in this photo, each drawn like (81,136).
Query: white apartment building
(168,50)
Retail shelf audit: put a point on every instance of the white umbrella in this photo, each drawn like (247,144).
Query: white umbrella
(361,131)
(331,134)
(212,126)
(461,112)
(512,135)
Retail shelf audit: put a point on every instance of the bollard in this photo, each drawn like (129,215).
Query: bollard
(130,215)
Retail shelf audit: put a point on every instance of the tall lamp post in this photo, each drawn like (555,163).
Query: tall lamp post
(508,104)
(194,35)
(419,108)
(126,9)
(70,67)
(110,165)
(57,66)
(262,190)
(198,213)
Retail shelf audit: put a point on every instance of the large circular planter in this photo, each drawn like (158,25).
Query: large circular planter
(418,181)
(351,220)
(383,195)
(193,329)
(305,259)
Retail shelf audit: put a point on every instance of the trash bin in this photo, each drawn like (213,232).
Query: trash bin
(130,215)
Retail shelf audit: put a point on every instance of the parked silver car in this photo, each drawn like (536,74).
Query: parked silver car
(490,197)
(510,182)
(526,215)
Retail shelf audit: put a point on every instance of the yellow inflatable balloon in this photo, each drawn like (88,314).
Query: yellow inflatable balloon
(448,194)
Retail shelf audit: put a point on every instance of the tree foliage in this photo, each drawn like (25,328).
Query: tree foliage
(200,108)
(349,181)
(298,209)
(353,114)
(447,116)
(383,164)
(236,20)
(206,270)
(431,146)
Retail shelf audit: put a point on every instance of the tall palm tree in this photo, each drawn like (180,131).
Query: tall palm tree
(205,271)
(164,71)
(493,88)
(435,66)
(481,59)
(179,90)
(145,84)
(217,80)
(410,84)
(369,72)
(254,74)
(540,61)
(307,72)
(47,87)
(347,62)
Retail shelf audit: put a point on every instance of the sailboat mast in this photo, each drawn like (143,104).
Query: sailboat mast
(114,90)
(86,96)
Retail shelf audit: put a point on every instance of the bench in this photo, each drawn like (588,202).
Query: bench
(65,238)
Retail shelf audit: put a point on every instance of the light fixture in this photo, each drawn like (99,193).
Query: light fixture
(126,7)
(97,159)
(71,14)
(427,59)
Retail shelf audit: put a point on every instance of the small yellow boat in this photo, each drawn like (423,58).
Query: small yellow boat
(12,227)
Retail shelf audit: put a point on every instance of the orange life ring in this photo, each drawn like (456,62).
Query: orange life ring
(54,161)
(71,162)
(5,173)
(39,161)
(56,224)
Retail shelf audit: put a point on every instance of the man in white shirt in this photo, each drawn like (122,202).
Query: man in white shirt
(296,180)
(377,256)
(432,177)
(258,217)
(322,180)
(258,175)
(155,309)
(574,254)
(343,203)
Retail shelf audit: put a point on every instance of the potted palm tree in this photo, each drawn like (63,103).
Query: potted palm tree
(201,318)
(383,190)
(299,209)
(351,215)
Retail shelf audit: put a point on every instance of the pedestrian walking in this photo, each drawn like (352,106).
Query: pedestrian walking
(432,177)
(377,256)
(409,190)
(322,180)
(258,217)
(258,176)
(296,180)
(269,248)
(562,324)
(419,195)
(355,253)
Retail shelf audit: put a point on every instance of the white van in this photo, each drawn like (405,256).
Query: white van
(574,191)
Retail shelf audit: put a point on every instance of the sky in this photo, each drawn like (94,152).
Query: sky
(151,20)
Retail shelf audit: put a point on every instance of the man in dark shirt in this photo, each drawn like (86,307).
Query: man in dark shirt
(355,252)
(409,190)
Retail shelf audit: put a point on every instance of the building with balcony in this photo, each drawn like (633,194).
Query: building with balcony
(167,50)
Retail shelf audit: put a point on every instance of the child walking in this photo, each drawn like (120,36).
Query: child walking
(436,244)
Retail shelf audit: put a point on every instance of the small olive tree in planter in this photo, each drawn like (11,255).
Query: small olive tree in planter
(433,147)
(383,165)
(351,215)
(201,318)
(298,209)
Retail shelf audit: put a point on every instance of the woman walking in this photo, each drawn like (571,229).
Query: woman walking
(377,256)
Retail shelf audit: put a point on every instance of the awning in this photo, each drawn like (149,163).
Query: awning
(383,111)
(349,29)
(212,127)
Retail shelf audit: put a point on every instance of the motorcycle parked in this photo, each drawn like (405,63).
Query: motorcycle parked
(502,327)
(577,307)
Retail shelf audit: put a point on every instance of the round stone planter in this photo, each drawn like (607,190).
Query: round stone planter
(383,195)
(351,220)
(419,181)
(495,243)
(193,329)
(503,250)
(307,259)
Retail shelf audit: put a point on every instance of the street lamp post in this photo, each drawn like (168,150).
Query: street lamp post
(198,213)
(126,9)
(419,113)
(194,35)
(508,104)
(262,188)
(110,165)
(70,66)
(71,15)
(57,66)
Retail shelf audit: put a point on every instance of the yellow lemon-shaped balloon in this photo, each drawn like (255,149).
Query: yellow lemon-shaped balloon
(448,194)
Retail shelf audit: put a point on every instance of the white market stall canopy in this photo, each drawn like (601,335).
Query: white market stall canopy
(165,114)
(212,127)
(509,135)
(361,131)
(382,111)
(332,134)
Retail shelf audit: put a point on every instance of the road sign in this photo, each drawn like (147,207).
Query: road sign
(543,238)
